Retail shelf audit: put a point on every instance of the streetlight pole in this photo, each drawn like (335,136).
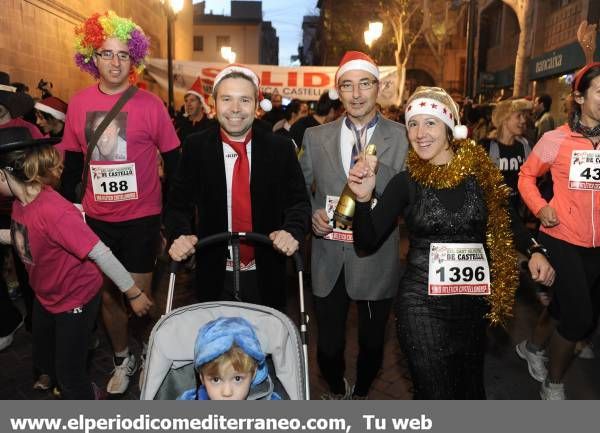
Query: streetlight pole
(170,17)
(471,14)
(172,8)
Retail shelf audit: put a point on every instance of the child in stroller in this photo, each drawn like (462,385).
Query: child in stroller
(229,363)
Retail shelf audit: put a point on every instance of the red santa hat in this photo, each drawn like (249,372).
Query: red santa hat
(354,61)
(436,102)
(54,106)
(264,103)
(198,90)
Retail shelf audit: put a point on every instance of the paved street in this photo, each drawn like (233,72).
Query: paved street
(506,374)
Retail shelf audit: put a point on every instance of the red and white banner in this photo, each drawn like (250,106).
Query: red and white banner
(303,82)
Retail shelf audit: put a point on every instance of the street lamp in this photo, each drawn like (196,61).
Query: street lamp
(228,55)
(373,33)
(172,8)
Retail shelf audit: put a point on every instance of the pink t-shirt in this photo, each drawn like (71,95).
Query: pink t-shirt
(21,123)
(123,183)
(53,243)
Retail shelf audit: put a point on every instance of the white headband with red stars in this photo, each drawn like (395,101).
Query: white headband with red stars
(437,109)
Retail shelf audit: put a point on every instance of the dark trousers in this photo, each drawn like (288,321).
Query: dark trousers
(576,289)
(10,317)
(332,312)
(60,345)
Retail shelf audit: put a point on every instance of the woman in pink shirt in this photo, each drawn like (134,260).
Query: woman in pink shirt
(571,231)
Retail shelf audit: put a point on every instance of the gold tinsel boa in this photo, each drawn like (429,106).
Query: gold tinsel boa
(470,159)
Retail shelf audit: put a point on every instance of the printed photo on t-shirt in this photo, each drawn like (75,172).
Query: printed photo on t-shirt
(20,240)
(112,144)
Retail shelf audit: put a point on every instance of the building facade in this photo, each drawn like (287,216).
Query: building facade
(253,40)
(37,38)
(555,52)
(341,27)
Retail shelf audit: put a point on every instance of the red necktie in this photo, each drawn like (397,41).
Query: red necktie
(241,206)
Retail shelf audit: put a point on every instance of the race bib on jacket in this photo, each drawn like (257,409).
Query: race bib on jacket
(458,269)
(584,172)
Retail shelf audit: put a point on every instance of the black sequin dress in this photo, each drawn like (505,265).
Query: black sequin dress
(443,337)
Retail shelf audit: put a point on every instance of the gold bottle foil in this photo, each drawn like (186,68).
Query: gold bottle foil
(344,212)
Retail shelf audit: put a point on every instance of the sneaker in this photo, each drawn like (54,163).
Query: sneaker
(552,391)
(353,396)
(536,362)
(8,339)
(141,369)
(585,351)
(345,396)
(119,381)
(43,383)
(56,392)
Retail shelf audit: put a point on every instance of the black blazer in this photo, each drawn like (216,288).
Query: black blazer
(278,197)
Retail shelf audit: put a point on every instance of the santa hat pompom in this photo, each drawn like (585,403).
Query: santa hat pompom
(333,94)
(460,132)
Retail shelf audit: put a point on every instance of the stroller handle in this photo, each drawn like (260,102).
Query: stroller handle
(228,236)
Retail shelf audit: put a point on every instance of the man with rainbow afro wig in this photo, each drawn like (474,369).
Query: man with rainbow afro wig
(93,33)
(122,199)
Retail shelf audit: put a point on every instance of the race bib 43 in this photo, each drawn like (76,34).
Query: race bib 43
(584,171)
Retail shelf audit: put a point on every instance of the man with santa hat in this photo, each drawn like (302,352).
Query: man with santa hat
(195,118)
(340,273)
(238,177)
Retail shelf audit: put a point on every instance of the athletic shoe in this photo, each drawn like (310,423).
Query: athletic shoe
(586,351)
(141,370)
(345,396)
(8,339)
(43,383)
(535,361)
(552,391)
(119,381)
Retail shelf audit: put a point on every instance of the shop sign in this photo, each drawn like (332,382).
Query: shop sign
(559,61)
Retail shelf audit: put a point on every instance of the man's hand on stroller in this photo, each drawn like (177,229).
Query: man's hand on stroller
(284,242)
(140,304)
(183,247)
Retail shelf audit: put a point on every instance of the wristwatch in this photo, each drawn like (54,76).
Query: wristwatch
(538,248)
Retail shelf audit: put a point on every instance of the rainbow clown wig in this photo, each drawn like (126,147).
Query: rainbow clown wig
(90,36)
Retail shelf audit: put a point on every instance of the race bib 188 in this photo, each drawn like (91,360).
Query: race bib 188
(116,182)
(458,269)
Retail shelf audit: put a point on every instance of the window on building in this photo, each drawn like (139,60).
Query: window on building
(198,43)
(223,41)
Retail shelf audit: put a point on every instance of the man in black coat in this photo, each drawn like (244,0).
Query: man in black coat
(238,178)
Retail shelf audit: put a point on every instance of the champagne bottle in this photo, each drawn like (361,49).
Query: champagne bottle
(344,212)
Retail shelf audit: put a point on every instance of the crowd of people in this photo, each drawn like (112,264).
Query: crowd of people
(92,189)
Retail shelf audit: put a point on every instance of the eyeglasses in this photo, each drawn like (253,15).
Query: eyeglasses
(108,55)
(362,85)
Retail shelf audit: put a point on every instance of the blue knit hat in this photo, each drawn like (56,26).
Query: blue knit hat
(218,336)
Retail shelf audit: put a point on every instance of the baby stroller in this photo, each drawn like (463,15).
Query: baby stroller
(169,368)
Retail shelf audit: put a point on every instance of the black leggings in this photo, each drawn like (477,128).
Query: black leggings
(60,345)
(576,290)
(331,312)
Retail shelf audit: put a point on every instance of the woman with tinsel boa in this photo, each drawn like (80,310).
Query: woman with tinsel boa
(455,206)
(570,224)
